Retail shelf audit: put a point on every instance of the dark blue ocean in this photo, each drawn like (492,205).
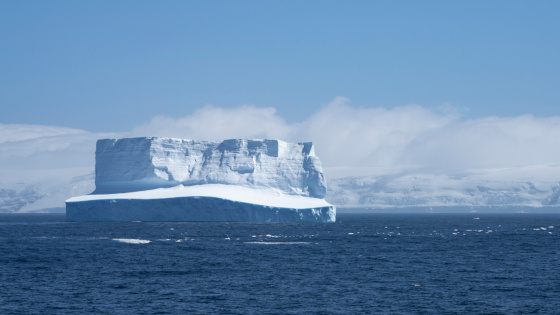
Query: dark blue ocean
(376,263)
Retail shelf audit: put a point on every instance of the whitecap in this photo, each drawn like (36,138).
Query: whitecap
(131,240)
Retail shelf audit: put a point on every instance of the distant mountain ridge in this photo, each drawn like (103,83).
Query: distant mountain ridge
(534,186)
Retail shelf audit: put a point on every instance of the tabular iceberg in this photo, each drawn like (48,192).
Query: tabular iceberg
(165,179)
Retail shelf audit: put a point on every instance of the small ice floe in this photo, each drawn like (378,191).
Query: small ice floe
(227,238)
(551,226)
(477,218)
(350,233)
(131,240)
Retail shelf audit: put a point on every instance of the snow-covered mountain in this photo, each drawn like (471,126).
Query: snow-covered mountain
(532,186)
(13,200)
(44,196)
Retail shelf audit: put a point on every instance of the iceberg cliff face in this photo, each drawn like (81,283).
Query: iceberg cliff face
(164,179)
(124,165)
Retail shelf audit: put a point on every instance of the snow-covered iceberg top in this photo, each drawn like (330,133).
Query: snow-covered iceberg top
(269,197)
(137,164)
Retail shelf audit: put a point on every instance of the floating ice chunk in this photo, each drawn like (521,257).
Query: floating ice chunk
(132,241)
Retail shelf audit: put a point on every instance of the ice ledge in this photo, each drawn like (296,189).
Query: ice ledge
(191,209)
(270,197)
(212,202)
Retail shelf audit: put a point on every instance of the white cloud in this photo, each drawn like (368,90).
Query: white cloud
(15,132)
(487,143)
(215,123)
(371,137)
(36,153)
(350,136)
(344,136)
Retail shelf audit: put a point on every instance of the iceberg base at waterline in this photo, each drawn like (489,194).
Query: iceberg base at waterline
(211,202)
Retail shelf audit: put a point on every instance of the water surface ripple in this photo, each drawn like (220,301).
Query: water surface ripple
(378,263)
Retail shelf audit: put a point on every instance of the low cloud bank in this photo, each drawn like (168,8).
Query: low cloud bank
(43,154)
(408,136)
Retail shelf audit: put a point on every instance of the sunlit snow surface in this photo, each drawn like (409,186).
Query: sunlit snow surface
(266,197)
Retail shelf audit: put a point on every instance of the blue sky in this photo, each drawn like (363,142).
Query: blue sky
(109,66)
